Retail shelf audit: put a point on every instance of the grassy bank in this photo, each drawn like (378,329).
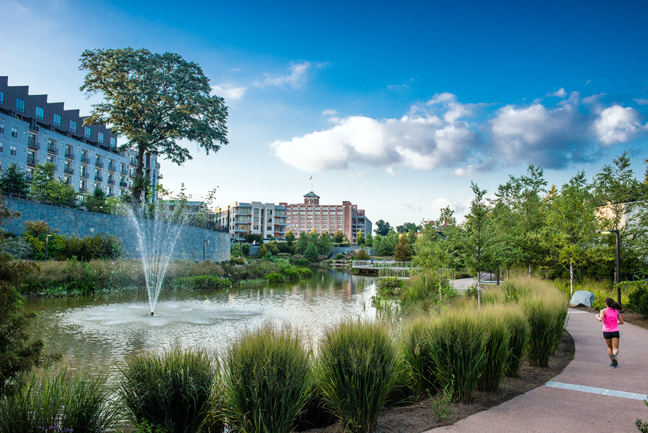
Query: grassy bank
(75,278)
(270,379)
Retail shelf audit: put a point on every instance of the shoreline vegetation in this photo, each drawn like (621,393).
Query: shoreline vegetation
(443,358)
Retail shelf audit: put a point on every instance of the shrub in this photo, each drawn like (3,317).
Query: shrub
(547,316)
(267,380)
(389,286)
(359,367)
(457,346)
(311,253)
(299,262)
(417,356)
(169,391)
(638,298)
(275,277)
(81,404)
(362,254)
(497,348)
(339,257)
(202,282)
(291,273)
(305,273)
(518,338)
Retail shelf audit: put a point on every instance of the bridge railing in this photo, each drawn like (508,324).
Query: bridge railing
(381,264)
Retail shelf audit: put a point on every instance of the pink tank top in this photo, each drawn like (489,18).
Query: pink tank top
(610,320)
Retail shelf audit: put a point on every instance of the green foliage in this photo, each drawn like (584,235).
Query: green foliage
(202,282)
(171,390)
(403,252)
(45,188)
(311,252)
(290,238)
(96,202)
(13,180)
(362,254)
(642,426)
(358,371)
(275,277)
(457,346)
(441,402)
(382,228)
(267,380)
(519,331)
(389,286)
(339,256)
(60,403)
(154,100)
(324,244)
(262,251)
(360,239)
(369,240)
(242,250)
(299,262)
(418,357)
(497,348)
(338,236)
(638,297)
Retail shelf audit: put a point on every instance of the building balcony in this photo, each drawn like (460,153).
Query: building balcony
(99,164)
(123,184)
(69,170)
(84,174)
(85,159)
(133,162)
(111,167)
(33,144)
(31,160)
(124,170)
(111,181)
(83,189)
(52,149)
(69,155)
(98,178)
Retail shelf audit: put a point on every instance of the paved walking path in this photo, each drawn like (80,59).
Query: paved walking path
(588,396)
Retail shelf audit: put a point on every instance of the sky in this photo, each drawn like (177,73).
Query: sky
(394,106)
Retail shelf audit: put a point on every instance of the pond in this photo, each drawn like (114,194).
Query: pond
(98,331)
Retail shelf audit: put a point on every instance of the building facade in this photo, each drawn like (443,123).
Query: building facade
(34,131)
(311,215)
(242,218)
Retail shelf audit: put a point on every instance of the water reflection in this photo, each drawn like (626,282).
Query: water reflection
(98,331)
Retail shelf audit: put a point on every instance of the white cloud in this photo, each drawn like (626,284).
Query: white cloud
(390,171)
(228,91)
(295,78)
(618,125)
(441,98)
(558,93)
(329,112)
(641,101)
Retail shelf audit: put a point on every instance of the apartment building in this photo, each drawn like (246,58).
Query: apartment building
(34,131)
(265,219)
(311,215)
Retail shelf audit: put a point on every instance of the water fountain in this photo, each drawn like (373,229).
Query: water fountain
(158,227)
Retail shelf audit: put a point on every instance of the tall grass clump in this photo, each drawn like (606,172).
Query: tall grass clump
(358,370)
(546,311)
(496,347)
(519,331)
(267,380)
(457,346)
(59,402)
(417,356)
(171,390)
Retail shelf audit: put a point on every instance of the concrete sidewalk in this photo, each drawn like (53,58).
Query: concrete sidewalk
(567,404)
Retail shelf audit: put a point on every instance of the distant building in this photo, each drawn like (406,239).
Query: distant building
(265,219)
(311,215)
(34,131)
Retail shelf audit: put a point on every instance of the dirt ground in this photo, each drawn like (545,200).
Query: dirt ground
(635,319)
(420,417)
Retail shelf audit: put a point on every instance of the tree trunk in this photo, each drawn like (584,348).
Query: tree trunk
(139,176)
(478,289)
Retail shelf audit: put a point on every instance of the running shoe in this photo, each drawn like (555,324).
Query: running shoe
(613,366)
(615,362)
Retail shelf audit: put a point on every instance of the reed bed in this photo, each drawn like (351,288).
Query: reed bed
(267,380)
(171,391)
(60,403)
(358,371)
(519,330)
(496,347)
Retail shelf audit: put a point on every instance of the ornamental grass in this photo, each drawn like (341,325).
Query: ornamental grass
(267,380)
(359,367)
(496,347)
(519,331)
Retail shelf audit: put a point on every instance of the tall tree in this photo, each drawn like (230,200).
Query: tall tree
(403,251)
(360,238)
(290,237)
(47,189)
(382,228)
(325,245)
(338,236)
(13,179)
(154,100)
(369,240)
(478,240)
(302,243)
(446,217)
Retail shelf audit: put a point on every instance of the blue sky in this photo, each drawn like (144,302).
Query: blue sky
(395,106)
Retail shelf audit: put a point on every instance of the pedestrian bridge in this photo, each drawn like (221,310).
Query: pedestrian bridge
(385,268)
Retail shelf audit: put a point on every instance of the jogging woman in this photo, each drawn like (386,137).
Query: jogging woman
(611,320)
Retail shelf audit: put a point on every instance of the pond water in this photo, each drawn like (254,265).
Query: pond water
(98,331)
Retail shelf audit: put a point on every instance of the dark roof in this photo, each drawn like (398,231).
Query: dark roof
(311,194)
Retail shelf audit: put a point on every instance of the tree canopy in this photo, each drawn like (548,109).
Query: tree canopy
(153,100)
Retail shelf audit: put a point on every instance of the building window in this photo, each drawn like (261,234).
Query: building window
(73,126)
(100,137)
(14,132)
(12,150)
(30,174)
(1,146)
(1,128)
(50,159)
(83,186)
(57,120)
(1,97)
(113,142)
(20,105)
(88,132)
(40,113)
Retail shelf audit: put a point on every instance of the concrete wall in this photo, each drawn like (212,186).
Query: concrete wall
(72,222)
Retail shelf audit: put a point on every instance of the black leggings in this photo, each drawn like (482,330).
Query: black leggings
(610,335)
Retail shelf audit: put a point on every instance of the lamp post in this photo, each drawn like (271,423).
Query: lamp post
(46,245)
(617,273)
(205,242)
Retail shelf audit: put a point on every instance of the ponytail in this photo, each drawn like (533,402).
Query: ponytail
(611,304)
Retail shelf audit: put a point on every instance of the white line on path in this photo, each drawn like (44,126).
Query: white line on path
(600,391)
(576,312)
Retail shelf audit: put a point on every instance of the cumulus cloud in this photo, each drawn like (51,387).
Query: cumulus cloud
(641,101)
(558,93)
(295,78)
(329,112)
(229,92)
(465,138)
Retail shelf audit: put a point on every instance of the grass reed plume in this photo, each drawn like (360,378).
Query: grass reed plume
(519,331)
(417,356)
(267,380)
(359,369)
(171,391)
(495,327)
